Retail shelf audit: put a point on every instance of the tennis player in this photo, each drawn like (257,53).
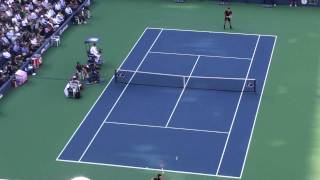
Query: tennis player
(227,18)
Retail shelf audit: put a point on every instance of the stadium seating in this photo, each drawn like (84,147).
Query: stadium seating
(26,25)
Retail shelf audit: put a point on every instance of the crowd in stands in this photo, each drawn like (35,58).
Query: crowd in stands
(25,24)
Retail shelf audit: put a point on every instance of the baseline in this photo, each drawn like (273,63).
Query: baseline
(215,32)
(147,169)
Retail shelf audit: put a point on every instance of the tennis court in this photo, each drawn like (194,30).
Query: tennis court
(182,101)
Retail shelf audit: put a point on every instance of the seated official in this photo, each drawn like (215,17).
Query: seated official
(95,52)
(75,83)
(74,87)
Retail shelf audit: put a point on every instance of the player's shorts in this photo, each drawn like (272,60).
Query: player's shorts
(227,19)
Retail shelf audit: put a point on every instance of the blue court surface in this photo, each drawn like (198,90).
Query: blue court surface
(182,101)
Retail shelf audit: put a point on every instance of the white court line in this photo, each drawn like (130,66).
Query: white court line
(185,76)
(255,118)
(238,104)
(184,88)
(215,32)
(162,127)
(196,55)
(149,169)
(119,96)
(85,117)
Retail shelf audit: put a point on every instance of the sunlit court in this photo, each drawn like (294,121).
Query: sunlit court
(159,89)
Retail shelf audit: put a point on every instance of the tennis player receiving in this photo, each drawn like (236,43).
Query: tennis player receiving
(227,18)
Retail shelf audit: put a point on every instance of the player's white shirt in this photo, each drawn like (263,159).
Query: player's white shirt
(94,51)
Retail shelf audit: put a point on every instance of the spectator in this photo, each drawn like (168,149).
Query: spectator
(59,18)
(2,78)
(6,55)
(9,69)
(30,69)
(14,82)
(68,11)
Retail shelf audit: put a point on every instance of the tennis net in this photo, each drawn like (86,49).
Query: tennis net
(180,81)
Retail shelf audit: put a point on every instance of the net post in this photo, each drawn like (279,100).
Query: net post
(115,76)
(255,86)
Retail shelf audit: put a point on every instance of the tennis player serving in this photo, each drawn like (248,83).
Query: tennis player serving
(227,18)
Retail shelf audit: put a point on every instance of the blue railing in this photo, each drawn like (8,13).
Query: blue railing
(4,89)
